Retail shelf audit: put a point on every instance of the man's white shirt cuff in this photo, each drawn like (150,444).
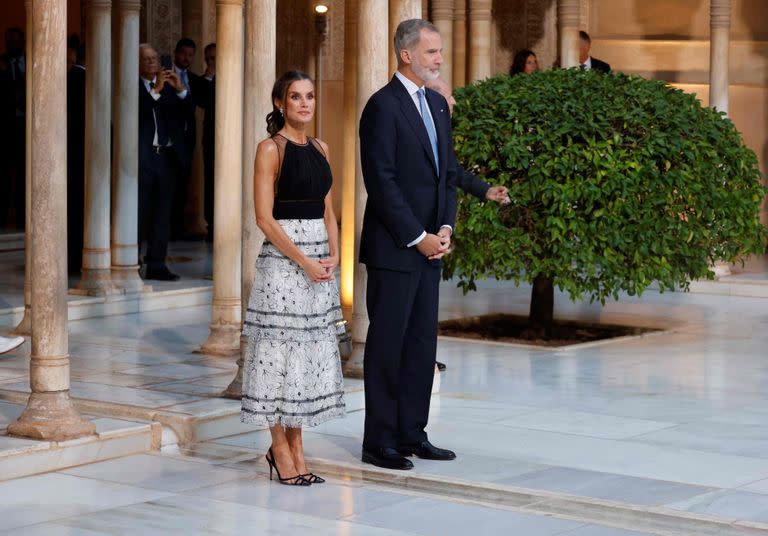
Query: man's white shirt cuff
(421,237)
(448,227)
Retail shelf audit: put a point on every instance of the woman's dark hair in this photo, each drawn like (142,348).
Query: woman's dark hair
(518,63)
(275,118)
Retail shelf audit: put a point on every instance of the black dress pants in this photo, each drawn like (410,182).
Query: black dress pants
(399,361)
(157,180)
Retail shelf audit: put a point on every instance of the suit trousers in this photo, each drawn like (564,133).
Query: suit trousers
(399,360)
(157,181)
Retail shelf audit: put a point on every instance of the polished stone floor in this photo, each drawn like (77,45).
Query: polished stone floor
(677,420)
(157,495)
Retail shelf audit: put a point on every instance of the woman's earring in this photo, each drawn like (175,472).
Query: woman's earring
(280,110)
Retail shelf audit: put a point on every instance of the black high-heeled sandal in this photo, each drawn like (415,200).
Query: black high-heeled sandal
(297,480)
(312,478)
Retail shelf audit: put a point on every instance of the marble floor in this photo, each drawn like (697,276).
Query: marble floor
(677,420)
(159,495)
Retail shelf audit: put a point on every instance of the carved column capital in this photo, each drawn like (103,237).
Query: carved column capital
(568,13)
(460,10)
(442,9)
(720,13)
(480,10)
(129,5)
(99,4)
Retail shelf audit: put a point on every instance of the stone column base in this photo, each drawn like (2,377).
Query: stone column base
(353,367)
(51,417)
(127,279)
(96,282)
(224,340)
(235,389)
(25,326)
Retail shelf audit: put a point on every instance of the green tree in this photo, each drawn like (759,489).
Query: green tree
(616,181)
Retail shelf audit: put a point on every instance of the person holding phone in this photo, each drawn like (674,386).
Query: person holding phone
(163,105)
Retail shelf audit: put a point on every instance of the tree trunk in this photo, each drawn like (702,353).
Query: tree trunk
(541,315)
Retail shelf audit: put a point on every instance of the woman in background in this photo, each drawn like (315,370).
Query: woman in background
(524,62)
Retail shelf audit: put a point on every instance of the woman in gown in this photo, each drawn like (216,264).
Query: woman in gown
(292,373)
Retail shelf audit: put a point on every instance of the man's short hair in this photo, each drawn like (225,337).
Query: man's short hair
(208,47)
(408,34)
(584,36)
(185,42)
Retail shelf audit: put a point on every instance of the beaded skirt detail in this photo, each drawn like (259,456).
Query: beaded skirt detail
(292,370)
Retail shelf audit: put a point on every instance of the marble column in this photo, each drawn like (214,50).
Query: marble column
(49,414)
(442,17)
(480,27)
(372,52)
(459,43)
(349,148)
(260,67)
(568,24)
(719,46)
(400,10)
(224,338)
(25,326)
(125,140)
(96,277)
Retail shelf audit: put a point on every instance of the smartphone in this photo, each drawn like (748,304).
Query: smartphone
(165,62)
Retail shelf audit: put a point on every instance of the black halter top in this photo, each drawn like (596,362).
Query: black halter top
(303,181)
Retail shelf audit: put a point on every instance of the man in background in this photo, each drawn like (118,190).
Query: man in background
(164,105)
(205,98)
(13,75)
(469,182)
(75,156)
(586,61)
(183,56)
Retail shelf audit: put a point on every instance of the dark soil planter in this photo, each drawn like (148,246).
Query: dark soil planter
(515,329)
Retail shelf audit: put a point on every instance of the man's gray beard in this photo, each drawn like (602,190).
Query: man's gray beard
(425,74)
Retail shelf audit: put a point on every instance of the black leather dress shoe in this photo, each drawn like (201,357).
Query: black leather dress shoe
(440,366)
(386,457)
(161,274)
(427,451)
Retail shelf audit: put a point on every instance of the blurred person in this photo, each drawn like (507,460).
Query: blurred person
(164,105)
(586,61)
(524,62)
(75,156)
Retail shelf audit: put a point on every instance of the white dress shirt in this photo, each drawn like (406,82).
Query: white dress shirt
(413,91)
(587,65)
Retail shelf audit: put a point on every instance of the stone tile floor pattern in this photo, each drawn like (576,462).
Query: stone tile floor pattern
(156,494)
(678,420)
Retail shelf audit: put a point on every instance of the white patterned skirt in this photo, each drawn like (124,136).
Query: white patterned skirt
(292,371)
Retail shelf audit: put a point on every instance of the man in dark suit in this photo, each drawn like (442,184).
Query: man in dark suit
(205,97)
(164,104)
(409,169)
(183,55)
(75,156)
(13,93)
(466,181)
(586,61)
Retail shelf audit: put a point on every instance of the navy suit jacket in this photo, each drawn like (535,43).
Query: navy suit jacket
(471,183)
(599,65)
(171,109)
(407,194)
